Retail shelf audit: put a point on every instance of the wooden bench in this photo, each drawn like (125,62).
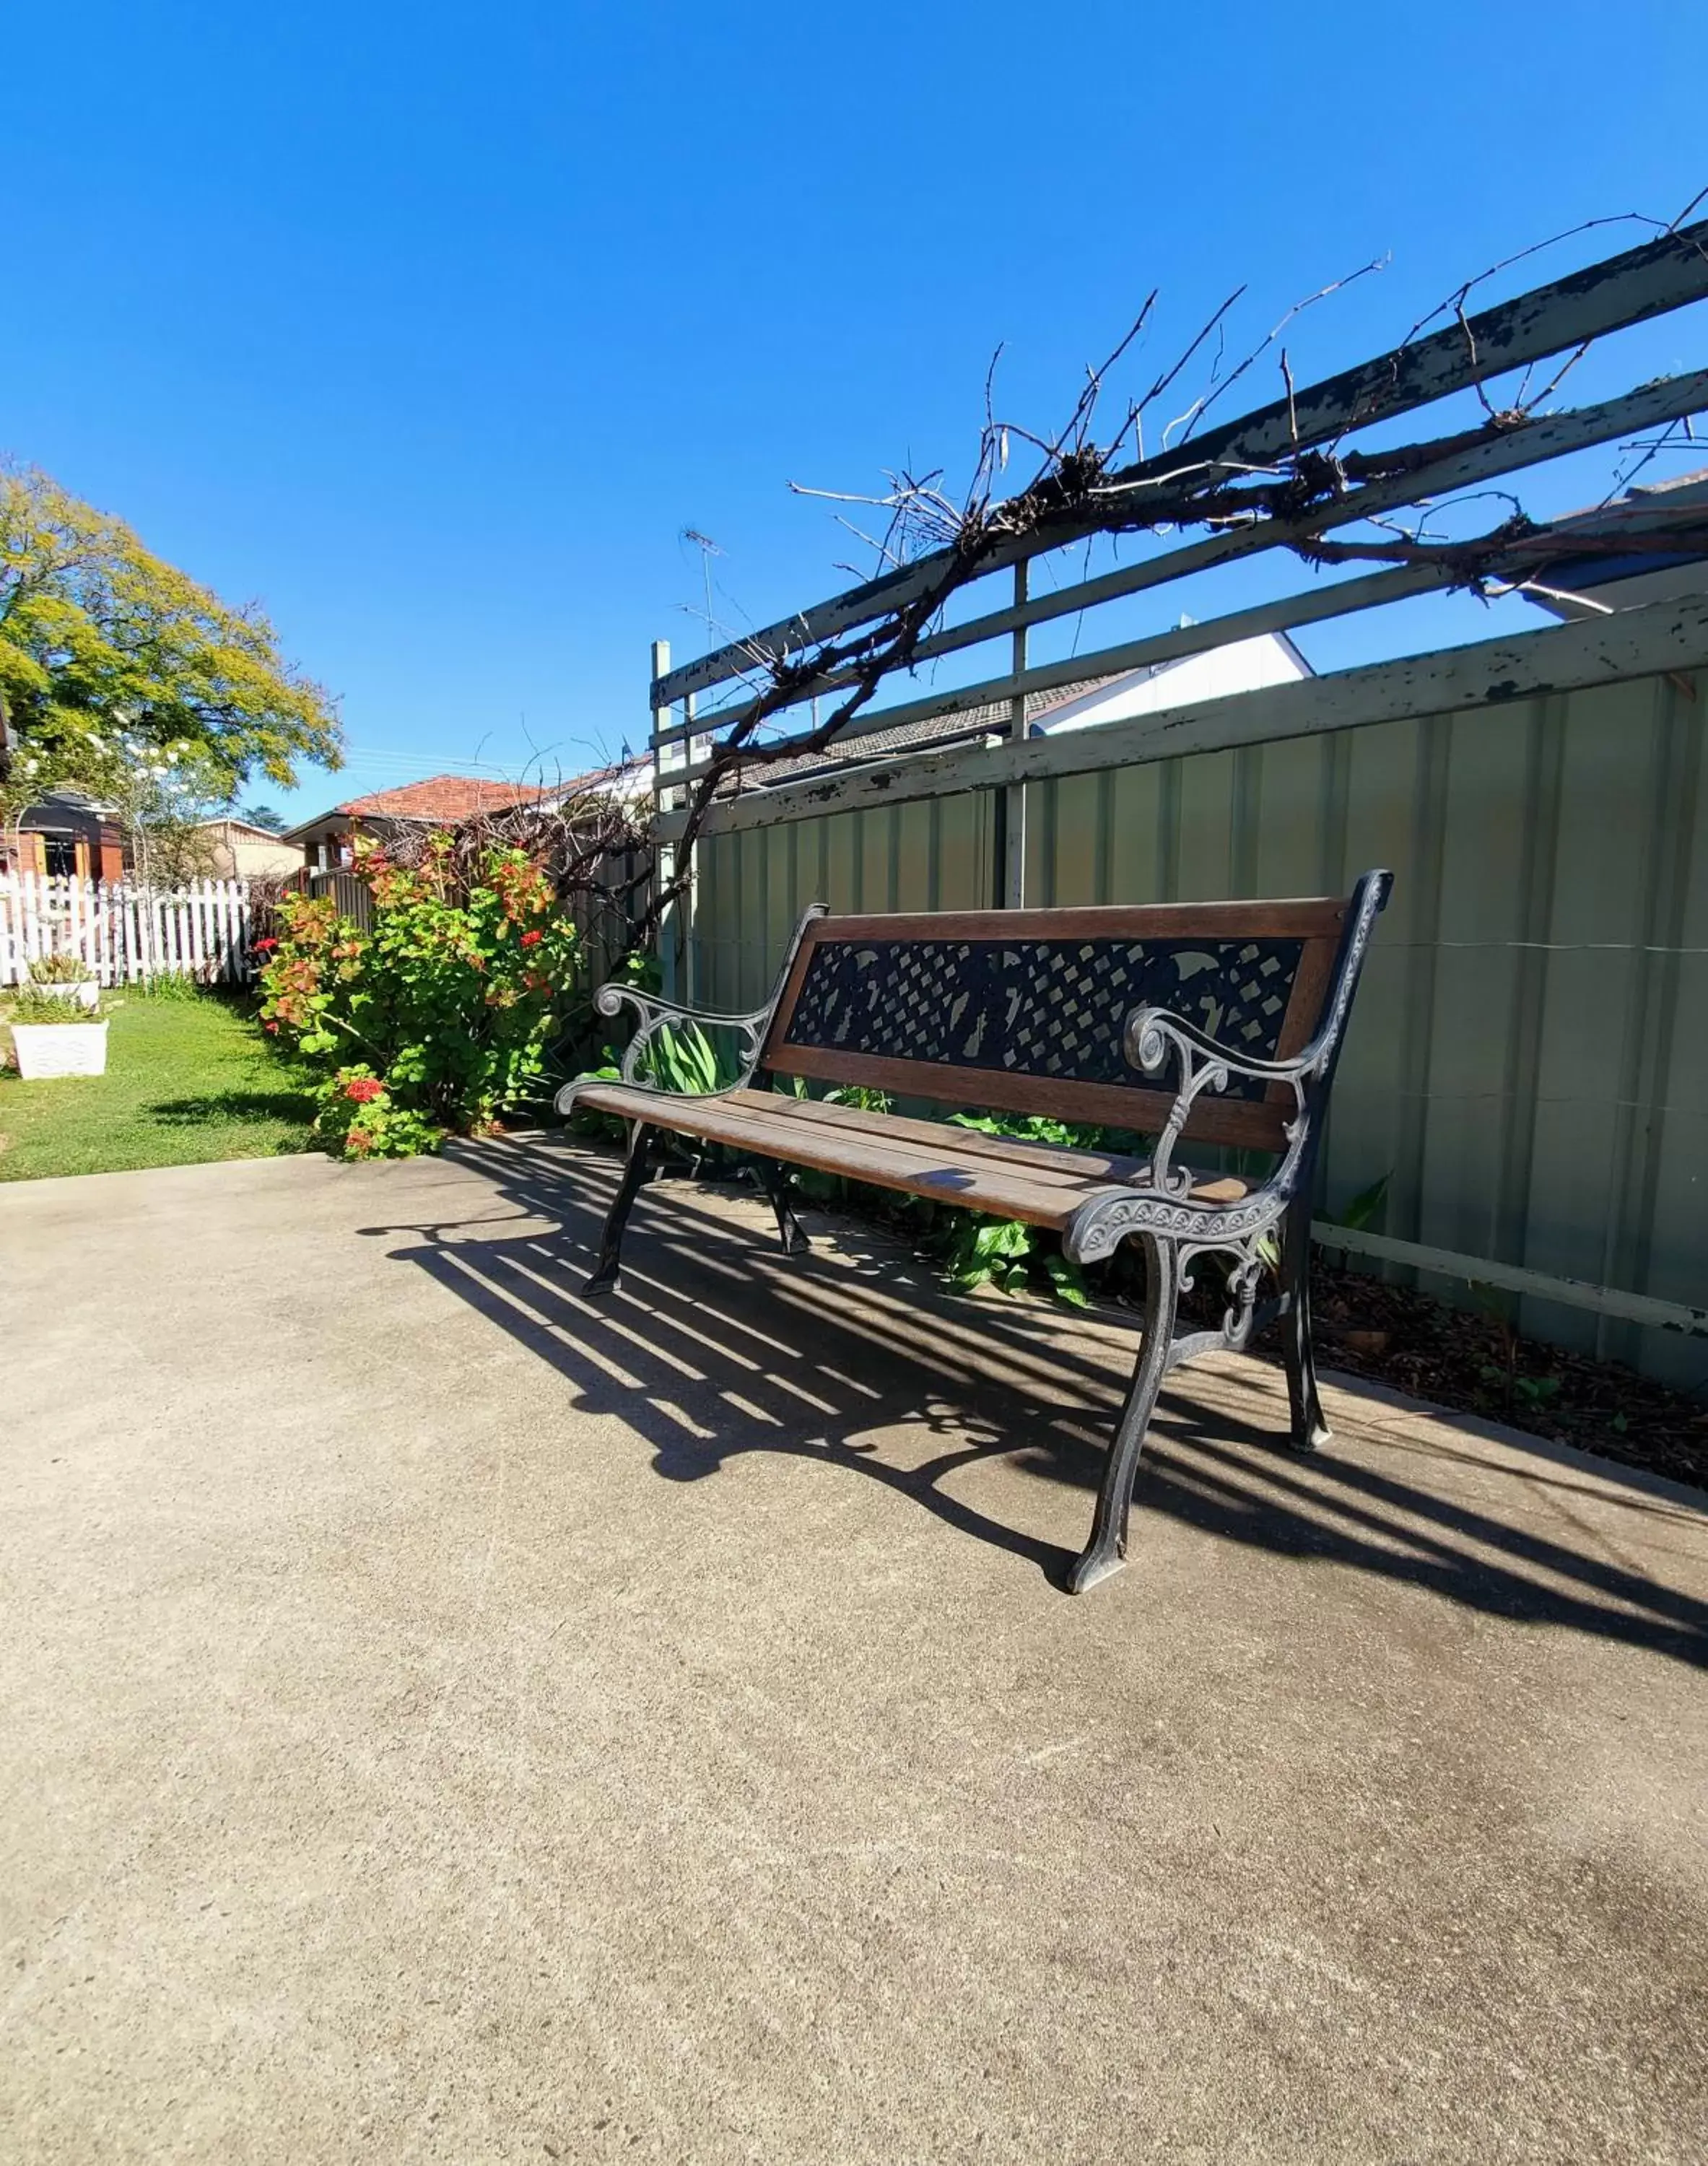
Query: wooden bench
(1213,1023)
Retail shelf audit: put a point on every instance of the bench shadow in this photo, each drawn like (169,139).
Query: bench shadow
(716,1344)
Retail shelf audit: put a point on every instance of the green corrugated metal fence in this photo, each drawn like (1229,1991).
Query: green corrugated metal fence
(1529,1058)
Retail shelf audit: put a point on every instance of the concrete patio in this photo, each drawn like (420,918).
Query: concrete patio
(445,1721)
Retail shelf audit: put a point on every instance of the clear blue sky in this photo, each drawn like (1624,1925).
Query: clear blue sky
(433,327)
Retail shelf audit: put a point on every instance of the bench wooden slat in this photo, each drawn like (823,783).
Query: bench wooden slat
(1305,917)
(1102,1165)
(1043,1160)
(1036,1182)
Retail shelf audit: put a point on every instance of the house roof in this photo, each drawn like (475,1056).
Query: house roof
(442,799)
(54,807)
(247,826)
(448,799)
(1647,573)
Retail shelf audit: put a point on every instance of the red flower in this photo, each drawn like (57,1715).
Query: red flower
(532,939)
(274,1029)
(359,1141)
(364,1089)
(262,946)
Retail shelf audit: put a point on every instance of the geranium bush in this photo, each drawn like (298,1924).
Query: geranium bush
(435,1019)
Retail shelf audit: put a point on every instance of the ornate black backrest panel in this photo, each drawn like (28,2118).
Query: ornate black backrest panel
(1053,1008)
(1025,1009)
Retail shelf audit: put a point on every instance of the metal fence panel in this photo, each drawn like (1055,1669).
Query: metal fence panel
(1529,1063)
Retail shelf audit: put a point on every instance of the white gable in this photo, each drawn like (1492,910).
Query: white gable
(1242,666)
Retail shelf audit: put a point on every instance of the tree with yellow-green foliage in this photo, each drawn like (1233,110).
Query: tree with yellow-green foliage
(108,653)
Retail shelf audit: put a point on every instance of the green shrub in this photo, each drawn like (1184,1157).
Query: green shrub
(438,1017)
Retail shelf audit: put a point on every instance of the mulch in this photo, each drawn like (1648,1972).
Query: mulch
(1472,1362)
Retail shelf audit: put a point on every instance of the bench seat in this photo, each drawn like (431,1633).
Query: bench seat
(1043,1183)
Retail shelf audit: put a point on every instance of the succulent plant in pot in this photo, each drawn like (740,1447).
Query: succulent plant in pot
(63,976)
(51,1036)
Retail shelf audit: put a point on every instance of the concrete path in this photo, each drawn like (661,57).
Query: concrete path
(446,1722)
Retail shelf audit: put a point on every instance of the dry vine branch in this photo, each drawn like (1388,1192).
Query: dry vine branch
(1080,489)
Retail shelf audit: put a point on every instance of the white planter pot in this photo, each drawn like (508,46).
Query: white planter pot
(85,992)
(59,1049)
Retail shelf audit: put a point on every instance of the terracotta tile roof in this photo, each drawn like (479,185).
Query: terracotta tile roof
(444,797)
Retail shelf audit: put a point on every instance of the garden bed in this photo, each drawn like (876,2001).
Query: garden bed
(1472,1362)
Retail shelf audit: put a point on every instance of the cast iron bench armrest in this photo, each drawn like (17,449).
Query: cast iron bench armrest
(654,1015)
(1206,1064)
(1149,1030)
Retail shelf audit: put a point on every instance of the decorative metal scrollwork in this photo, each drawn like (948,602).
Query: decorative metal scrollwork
(654,1015)
(653,1018)
(1240,1318)
(1158,1199)
(1099,1226)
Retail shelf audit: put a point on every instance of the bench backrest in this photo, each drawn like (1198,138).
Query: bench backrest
(1023,1010)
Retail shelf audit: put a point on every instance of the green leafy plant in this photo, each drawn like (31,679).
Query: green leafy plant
(982,1251)
(1528,1391)
(438,1016)
(1034,1129)
(1532,1394)
(173,986)
(1006,1252)
(359,1116)
(1067,1281)
(681,1057)
(1364,1209)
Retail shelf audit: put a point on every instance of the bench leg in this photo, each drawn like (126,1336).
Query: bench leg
(790,1229)
(603,1279)
(1309,1429)
(1106,1550)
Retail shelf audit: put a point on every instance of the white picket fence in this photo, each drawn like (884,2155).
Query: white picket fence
(127,934)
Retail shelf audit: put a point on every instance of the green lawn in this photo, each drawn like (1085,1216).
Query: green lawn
(187,1080)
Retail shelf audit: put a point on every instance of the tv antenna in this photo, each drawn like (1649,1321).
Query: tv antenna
(708,549)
